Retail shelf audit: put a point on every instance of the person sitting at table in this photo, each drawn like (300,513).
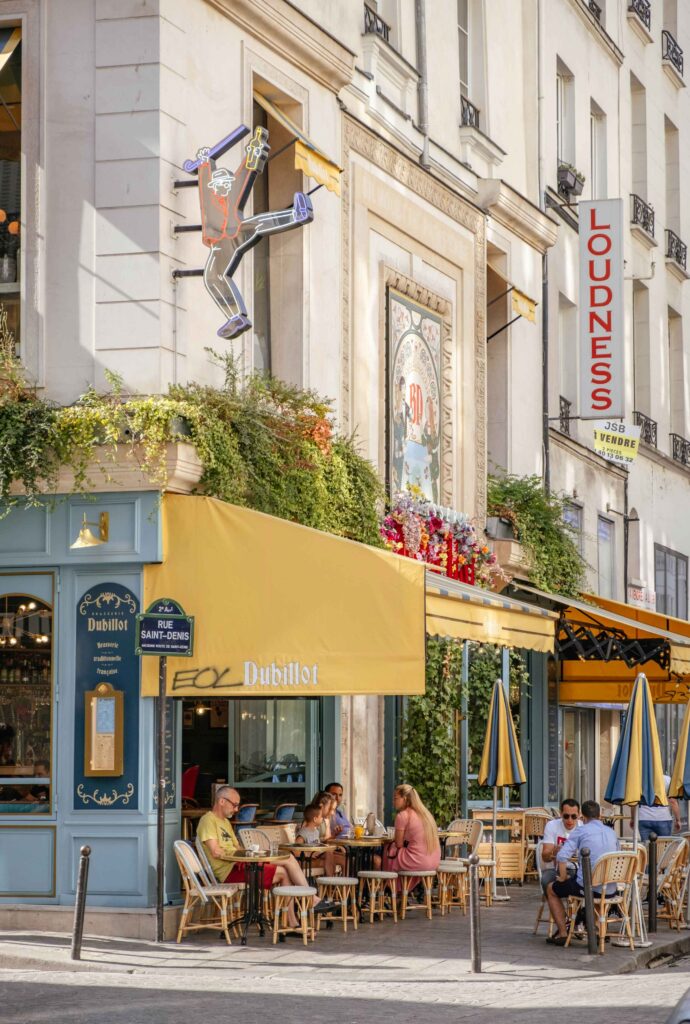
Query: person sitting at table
(340,823)
(218,837)
(310,833)
(328,803)
(416,843)
(556,832)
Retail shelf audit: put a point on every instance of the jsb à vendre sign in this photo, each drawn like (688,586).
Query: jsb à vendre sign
(602,353)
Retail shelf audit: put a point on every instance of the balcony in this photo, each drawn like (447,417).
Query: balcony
(564,407)
(374,25)
(642,9)
(672,58)
(676,255)
(680,449)
(595,9)
(469,114)
(642,220)
(647,428)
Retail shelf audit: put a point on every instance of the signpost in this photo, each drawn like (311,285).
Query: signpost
(162,630)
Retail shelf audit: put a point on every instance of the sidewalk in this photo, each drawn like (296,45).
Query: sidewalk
(400,967)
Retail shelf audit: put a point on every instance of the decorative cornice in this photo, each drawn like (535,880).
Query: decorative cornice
(298,39)
(517,213)
(400,169)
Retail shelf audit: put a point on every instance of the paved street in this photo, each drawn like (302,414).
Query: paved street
(393,973)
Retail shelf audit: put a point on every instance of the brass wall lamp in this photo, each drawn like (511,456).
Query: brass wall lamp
(86,538)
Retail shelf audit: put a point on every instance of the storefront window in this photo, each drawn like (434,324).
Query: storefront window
(26,633)
(10,179)
(266,748)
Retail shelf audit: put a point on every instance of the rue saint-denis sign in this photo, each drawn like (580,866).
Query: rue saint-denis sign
(602,369)
(165,630)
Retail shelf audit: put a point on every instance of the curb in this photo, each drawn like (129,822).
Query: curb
(642,957)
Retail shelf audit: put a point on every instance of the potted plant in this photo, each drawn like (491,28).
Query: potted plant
(570,180)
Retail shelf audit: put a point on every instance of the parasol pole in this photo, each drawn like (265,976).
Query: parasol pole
(494,823)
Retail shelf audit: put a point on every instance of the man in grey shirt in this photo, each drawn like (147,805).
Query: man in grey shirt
(596,837)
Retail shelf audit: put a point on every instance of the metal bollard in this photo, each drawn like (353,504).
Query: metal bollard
(651,894)
(80,902)
(475,927)
(592,945)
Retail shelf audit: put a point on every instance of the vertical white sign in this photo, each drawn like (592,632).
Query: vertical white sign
(602,352)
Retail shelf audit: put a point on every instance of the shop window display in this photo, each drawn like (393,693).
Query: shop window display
(26,635)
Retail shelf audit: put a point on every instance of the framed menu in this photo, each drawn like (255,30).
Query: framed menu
(104,732)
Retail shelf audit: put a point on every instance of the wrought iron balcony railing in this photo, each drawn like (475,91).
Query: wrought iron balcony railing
(374,25)
(680,449)
(670,50)
(676,249)
(642,214)
(643,10)
(564,407)
(469,114)
(648,425)
(595,9)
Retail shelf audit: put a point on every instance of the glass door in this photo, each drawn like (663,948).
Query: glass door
(577,754)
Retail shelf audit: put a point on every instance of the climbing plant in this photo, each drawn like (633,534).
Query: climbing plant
(537,518)
(429,758)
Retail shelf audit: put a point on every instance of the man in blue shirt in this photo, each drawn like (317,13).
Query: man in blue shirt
(340,824)
(596,837)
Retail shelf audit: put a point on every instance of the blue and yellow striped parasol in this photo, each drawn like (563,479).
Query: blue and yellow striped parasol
(680,780)
(637,775)
(501,760)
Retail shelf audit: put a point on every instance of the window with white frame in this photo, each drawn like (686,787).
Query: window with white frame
(565,115)
(463,8)
(671,582)
(573,517)
(10,176)
(606,560)
(597,142)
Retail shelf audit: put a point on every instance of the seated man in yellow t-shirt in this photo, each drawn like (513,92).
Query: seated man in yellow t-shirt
(220,842)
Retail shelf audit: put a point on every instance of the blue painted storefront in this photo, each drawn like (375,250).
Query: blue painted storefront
(95,593)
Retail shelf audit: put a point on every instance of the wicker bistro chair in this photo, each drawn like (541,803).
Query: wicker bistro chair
(427,880)
(452,886)
(613,868)
(343,892)
(671,885)
(534,831)
(380,886)
(301,895)
(543,903)
(198,893)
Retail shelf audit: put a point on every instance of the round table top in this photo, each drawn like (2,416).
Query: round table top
(364,841)
(305,847)
(263,857)
(444,833)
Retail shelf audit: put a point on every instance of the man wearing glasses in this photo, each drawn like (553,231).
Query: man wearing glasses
(555,834)
(218,837)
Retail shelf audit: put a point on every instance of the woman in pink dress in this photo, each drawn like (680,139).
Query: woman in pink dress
(416,843)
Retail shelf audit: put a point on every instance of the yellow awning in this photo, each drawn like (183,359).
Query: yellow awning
(308,158)
(282,610)
(607,682)
(468,613)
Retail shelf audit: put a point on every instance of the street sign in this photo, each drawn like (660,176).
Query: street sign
(164,630)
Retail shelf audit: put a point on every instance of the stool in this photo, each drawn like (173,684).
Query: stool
(283,896)
(427,879)
(341,890)
(485,871)
(452,886)
(378,883)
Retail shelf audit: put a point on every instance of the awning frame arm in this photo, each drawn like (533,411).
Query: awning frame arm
(505,327)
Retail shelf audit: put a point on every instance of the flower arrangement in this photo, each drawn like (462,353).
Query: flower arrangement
(440,537)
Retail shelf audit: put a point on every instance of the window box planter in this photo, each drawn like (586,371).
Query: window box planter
(570,181)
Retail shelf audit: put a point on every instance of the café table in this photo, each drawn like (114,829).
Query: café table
(254,883)
(305,853)
(359,853)
(444,835)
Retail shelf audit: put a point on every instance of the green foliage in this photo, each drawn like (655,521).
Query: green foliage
(429,759)
(485,669)
(263,443)
(537,518)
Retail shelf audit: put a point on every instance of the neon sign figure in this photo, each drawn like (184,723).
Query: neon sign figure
(224,228)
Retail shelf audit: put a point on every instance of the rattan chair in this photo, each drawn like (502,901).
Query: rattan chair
(617,869)
(544,903)
(534,831)
(671,884)
(198,893)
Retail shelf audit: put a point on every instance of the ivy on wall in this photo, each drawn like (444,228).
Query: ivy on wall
(262,443)
(537,518)
(430,741)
